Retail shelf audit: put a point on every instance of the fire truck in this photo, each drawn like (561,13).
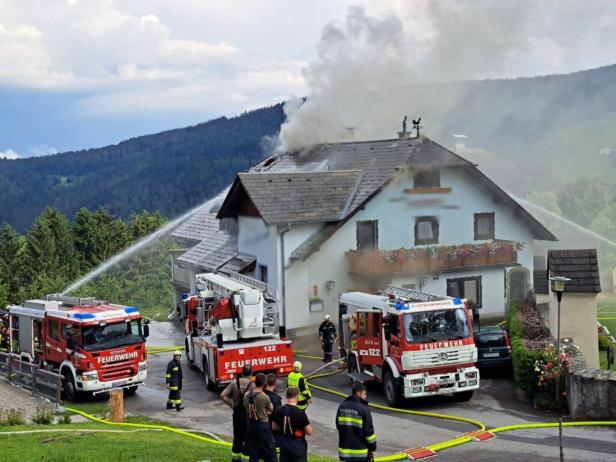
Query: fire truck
(93,344)
(416,344)
(232,322)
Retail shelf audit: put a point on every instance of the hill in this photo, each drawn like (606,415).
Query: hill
(544,129)
(168,171)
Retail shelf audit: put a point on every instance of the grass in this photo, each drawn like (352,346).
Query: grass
(606,308)
(91,447)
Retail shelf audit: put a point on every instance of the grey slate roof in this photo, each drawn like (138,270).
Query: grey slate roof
(540,279)
(197,227)
(580,266)
(237,263)
(300,197)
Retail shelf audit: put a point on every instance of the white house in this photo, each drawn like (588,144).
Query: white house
(361,216)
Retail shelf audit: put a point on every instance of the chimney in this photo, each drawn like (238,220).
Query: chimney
(460,143)
(404,135)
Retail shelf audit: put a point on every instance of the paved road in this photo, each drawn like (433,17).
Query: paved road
(495,404)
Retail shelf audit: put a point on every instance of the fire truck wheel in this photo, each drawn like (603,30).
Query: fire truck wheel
(68,387)
(391,390)
(352,364)
(463,395)
(209,383)
(130,391)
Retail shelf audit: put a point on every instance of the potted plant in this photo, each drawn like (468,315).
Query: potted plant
(438,257)
(455,256)
(493,247)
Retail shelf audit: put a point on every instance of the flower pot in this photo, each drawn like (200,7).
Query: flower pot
(505,254)
(438,263)
(455,262)
(474,260)
(492,259)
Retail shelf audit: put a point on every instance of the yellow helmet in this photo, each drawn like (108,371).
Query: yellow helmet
(177,353)
(297,366)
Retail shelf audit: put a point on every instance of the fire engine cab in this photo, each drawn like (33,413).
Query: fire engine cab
(93,344)
(234,321)
(414,343)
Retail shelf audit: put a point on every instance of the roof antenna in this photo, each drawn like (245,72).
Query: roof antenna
(404,135)
(416,126)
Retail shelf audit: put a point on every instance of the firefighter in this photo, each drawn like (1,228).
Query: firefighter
(356,437)
(173,377)
(260,442)
(327,334)
(296,379)
(291,425)
(233,396)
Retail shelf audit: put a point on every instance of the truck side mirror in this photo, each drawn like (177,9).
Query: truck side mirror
(146,330)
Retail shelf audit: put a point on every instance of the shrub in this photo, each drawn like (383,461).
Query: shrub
(12,417)
(603,343)
(43,416)
(64,418)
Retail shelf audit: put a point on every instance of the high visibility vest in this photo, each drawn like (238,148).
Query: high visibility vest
(293,380)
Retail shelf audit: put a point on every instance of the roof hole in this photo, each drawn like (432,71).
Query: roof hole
(269,181)
(289,180)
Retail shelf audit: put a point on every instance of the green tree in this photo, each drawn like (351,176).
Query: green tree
(582,198)
(11,260)
(61,230)
(4,295)
(41,256)
(144,223)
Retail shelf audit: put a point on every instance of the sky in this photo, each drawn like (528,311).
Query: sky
(76,74)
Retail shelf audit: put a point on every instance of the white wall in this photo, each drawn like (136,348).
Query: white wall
(396,212)
(260,241)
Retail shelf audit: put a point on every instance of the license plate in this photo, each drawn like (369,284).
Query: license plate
(491,355)
(444,381)
(119,384)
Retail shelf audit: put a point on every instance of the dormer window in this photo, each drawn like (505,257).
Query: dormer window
(427,179)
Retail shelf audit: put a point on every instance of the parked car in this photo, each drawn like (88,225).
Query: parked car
(493,348)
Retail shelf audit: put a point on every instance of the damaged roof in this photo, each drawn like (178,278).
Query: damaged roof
(581,266)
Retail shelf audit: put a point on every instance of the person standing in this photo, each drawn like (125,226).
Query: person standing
(291,425)
(327,334)
(356,437)
(270,391)
(610,356)
(173,378)
(260,442)
(296,379)
(233,396)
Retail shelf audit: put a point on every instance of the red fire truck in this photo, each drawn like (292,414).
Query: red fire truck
(233,322)
(93,344)
(415,344)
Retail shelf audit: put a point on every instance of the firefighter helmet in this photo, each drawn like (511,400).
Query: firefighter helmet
(177,353)
(297,366)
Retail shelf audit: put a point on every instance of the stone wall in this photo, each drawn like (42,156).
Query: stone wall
(591,393)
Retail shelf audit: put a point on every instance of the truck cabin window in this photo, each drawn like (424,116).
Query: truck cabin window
(112,335)
(432,326)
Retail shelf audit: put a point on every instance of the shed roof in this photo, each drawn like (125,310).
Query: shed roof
(581,266)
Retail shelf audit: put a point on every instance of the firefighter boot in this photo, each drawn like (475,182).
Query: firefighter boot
(179,407)
(169,405)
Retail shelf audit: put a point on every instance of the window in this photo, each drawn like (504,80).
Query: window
(427,179)
(426,230)
(54,330)
(263,273)
(468,288)
(484,226)
(367,235)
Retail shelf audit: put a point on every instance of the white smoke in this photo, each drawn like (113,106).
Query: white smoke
(369,68)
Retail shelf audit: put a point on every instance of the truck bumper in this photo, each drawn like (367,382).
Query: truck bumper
(96,386)
(417,385)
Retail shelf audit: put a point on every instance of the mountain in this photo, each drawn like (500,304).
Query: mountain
(169,171)
(526,133)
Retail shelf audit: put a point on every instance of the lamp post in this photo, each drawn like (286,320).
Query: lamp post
(559,288)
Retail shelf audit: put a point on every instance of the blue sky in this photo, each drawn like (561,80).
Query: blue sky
(76,74)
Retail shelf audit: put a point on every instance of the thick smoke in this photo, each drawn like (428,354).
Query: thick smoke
(372,70)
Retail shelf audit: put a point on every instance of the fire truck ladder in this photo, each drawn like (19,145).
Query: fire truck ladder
(410,295)
(73,301)
(268,291)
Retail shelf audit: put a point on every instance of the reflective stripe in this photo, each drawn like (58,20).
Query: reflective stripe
(355,420)
(175,369)
(352,453)
(174,401)
(167,376)
(236,454)
(173,388)
(371,438)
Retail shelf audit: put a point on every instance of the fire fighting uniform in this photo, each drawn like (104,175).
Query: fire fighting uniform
(296,379)
(260,443)
(238,389)
(173,377)
(327,333)
(356,437)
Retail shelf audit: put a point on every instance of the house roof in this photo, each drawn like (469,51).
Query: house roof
(540,280)
(283,197)
(581,266)
(197,227)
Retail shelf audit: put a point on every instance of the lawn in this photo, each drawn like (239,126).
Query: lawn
(90,447)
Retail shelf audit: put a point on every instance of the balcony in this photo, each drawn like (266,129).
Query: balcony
(434,259)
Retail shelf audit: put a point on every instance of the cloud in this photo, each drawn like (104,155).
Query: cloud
(42,150)
(9,154)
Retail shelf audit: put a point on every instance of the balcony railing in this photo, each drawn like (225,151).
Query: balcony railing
(434,259)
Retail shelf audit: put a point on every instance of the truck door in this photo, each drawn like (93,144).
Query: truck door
(393,327)
(54,351)
(369,341)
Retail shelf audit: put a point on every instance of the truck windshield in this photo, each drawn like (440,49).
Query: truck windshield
(112,335)
(430,326)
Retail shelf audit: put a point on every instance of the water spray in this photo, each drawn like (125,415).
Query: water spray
(145,241)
